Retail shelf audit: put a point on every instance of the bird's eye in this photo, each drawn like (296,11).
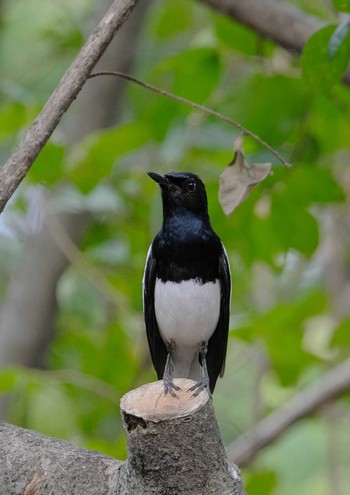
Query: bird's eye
(191,186)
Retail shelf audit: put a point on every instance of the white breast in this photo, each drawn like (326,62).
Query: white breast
(187,312)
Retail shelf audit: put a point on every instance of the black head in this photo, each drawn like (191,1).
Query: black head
(182,191)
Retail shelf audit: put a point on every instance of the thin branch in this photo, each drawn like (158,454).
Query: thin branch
(329,387)
(196,106)
(18,164)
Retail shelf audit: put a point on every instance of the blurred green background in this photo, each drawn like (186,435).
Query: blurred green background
(74,238)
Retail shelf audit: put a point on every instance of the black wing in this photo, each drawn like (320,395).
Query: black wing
(155,342)
(217,344)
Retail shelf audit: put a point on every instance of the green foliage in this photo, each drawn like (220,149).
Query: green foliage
(63,38)
(234,36)
(173,19)
(94,158)
(305,189)
(293,225)
(48,167)
(261,483)
(30,34)
(342,5)
(7,379)
(341,335)
(326,56)
(273,119)
(13,117)
(193,73)
(283,328)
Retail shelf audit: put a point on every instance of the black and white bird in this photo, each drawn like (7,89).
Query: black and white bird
(186,288)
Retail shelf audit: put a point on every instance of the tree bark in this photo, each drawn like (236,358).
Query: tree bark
(174,448)
(33,464)
(18,164)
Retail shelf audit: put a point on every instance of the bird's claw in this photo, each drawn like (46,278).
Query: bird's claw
(199,386)
(170,387)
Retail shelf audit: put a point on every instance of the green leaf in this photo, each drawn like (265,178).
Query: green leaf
(235,36)
(296,227)
(195,72)
(261,483)
(48,166)
(342,5)
(272,118)
(63,37)
(309,185)
(327,125)
(320,71)
(259,242)
(8,378)
(12,117)
(95,156)
(174,18)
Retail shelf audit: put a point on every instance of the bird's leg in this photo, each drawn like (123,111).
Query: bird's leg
(204,381)
(169,385)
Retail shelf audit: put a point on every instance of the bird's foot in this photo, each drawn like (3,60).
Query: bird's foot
(197,388)
(170,387)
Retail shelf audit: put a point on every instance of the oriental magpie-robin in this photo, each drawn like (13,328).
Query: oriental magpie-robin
(186,288)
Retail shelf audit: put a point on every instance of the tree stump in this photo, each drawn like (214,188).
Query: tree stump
(174,444)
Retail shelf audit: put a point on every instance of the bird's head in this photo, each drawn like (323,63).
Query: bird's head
(182,191)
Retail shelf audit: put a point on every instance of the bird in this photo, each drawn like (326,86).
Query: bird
(186,288)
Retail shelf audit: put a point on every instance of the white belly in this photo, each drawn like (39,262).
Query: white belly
(187,314)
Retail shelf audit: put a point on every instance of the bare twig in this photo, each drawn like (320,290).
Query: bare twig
(196,106)
(330,386)
(18,164)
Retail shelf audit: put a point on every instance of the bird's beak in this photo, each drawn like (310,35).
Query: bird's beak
(160,179)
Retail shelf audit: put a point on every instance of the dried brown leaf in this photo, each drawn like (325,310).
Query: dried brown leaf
(239,178)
